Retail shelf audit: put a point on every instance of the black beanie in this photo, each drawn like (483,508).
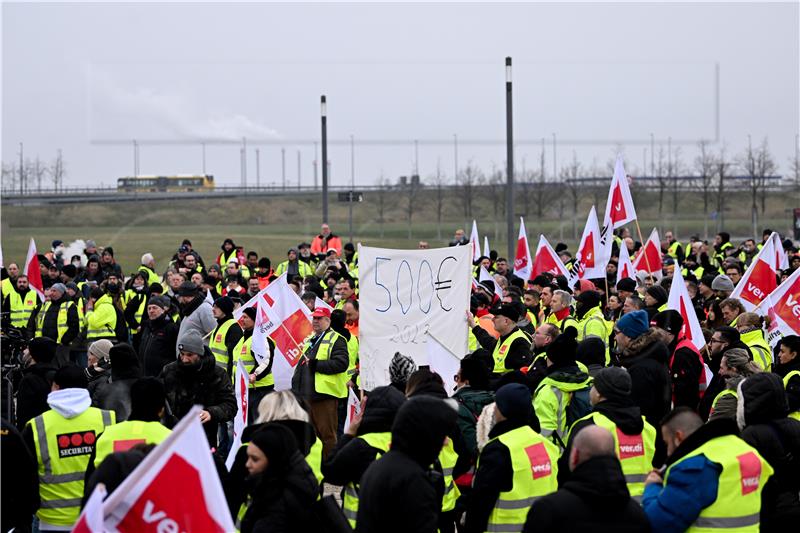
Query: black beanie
(42,349)
(70,271)
(250,312)
(225,305)
(383,403)
(626,284)
(278,444)
(669,320)
(613,383)
(659,294)
(514,401)
(474,370)
(589,299)
(124,362)
(591,351)
(563,349)
(70,377)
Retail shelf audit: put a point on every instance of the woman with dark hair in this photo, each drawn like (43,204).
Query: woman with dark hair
(281,486)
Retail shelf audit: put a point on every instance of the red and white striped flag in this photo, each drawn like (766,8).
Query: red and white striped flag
(241,380)
(589,261)
(32,270)
(760,279)
(522,261)
(680,301)
(547,260)
(175,488)
(353,408)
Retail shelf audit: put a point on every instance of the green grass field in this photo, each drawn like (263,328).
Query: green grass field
(272,226)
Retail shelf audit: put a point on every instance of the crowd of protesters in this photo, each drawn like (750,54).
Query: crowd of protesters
(579,406)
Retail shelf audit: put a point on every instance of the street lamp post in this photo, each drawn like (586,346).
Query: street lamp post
(324,116)
(509,163)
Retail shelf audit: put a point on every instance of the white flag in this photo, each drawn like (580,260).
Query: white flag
(320,303)
(760,279)
(649,257)
(619,207)
(443,362)
(475,242)
(353,408)
(624,266)
(486,250)
(680,301)
(241,381)
(485,276)
(781,257)
(522,261)
(589,263)
(175,488)
(547,260)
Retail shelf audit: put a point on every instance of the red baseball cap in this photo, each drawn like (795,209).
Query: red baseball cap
(321,312)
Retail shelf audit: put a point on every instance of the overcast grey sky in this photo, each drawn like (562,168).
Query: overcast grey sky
(76,76)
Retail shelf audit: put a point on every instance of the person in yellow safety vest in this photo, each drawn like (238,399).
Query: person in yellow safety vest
(8,284)
(320,378)
(101,317)
(562,397)
(261,380)
(229,253)
(63,439)
(542,338)
(293,266)
(655,300)
(591,322)
(713,479)
(58,319)
(148,267)
(596,497)
(345,292)
(136,303)
(614,410)
(20,303)
(516,467)
(282,488)
(226,335)
(674,248)
(143,426)
(364,441)
(788,367)
(561,310)
(752,334)
(734,366)
(722,247)
(512,350)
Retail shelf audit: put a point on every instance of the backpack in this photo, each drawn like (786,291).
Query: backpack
(579,405)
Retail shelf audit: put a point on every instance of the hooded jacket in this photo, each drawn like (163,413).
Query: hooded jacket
(197,315)
(35,385)
(762,412)
(646,359)
(470,404)
(595,498)
(403,474)
(205,384)
(157,345)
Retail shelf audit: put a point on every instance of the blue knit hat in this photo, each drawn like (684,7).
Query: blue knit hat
(634,324)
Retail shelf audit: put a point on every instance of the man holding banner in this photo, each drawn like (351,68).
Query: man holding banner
(320,377)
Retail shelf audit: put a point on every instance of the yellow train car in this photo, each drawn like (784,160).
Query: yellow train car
(179,183)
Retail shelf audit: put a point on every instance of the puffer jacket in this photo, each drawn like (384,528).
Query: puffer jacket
(470,404)
(646,358)
(762,413)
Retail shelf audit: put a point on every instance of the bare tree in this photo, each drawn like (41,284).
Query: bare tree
(674,169)
(438,182)
(723,167)
(766,167)
(40,170)
(758,164)
(569,176)
(794,163)
(10,177)
(467,180)
(541,192)
(526,184)
(56,172)
(704,165)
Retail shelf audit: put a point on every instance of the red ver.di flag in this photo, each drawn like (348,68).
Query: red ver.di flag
(619,207)
(241,380)
(522,261)
(624,267)
(353,409)
(547,260)
(783,309)
(649,257)
(175,488)
(760,279)
(91,518)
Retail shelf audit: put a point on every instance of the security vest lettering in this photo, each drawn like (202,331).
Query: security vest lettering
(744,473)
(379,441)
(63,447)
(125,435)
(534,462)
(501,350)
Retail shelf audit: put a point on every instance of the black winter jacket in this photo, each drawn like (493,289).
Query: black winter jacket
(157,345)
(470,404)
(20,481)
(793,387)
(305,371)
(34,387)
(50,323)
(777,438)
(518,355)
(646,359)
(595,498)
(685,371)
(207,385)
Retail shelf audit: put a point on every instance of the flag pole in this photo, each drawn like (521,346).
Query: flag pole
(644,248)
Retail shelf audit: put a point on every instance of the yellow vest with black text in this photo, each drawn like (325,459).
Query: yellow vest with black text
(635,452)
(63,447)
(331,384)
(501,350)
(786,379)
(125,435)
(217,343)
(744,473)
(448,458)
(534,463)
(243,352)
(379,441)
(61,321)
(22,308)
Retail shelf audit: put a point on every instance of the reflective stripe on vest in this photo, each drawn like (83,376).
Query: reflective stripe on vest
(744,473)
(243,353)
(379,441)
(448,458)
(635,452)
(61,320)
(217,343)
(331,384)
(501,350)
(125,435)
(788,377)
(762,356)
(22,308)
(534,465)
(63,447)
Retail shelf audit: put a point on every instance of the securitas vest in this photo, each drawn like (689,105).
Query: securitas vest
(744,473)
(331,384)
(243,352)
(501,350)
(125,435)
(217,343)
(635,452)
(379,441)
(61,321)
(534,462)
(22,307)
(448,458)
(63,447)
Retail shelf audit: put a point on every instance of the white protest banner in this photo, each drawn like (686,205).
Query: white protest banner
(175,488)
(241,380)
(443,363)
(406,296)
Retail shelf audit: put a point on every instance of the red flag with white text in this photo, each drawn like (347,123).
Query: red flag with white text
(522,260)
(760,279)
(91,518)
(547,260)
(589,263)
(783,309)
(175,488)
